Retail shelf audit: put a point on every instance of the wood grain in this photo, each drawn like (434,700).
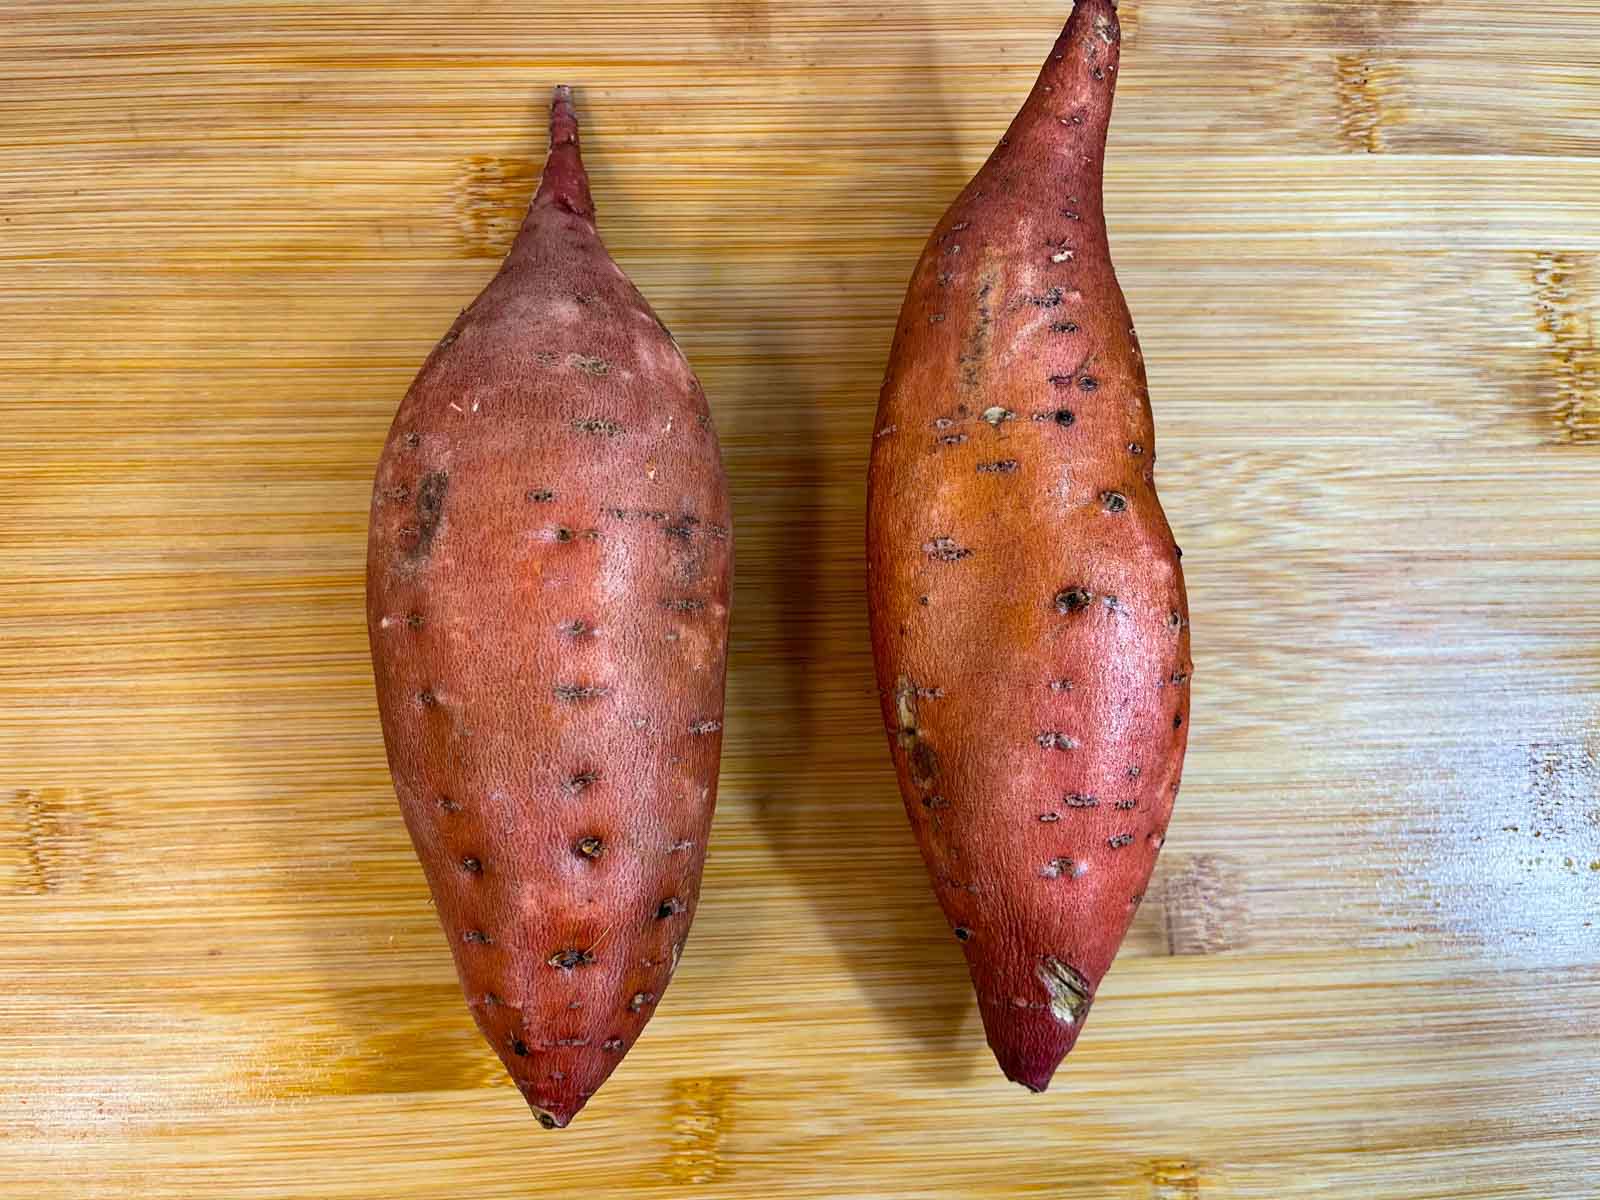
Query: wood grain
(1362,242)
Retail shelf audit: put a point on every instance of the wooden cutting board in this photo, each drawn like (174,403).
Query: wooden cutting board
(1362,242)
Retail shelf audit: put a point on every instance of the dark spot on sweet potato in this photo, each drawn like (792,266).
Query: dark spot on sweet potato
(427,699)
(1048,299)
(1135,449)
(1087,383)
(540,495)
(975,347)
(447,805)
(1126,805)
(414,621)
(924,762)
(576,783)
(570,959)
(430,511)
(1179,678)
(683,528)
(1174,620)
(1059,380)
(685,604)
(952,439)
(412,440)
(599,426)
(577,693)
(922,600)
(669,907)
(1061,685)
(547,1121)
(589,365)
(1118,841)
(519,1047)
(945,549)
(563,534)
(1061,416)
(1080,800)
(935,802)
(1073,600)
(936,319)
(704,725)
(1050,818)
(680,846)
(962,933)
(1054,739)
(472,866)
(476,937)
(1058,867)
(1064,327)
(590,847)
(1177,721)
(640,1000)
(1115,502)
(1132,772)
(613,1045)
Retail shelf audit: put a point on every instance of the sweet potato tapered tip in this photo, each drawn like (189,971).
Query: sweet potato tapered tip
(565,184)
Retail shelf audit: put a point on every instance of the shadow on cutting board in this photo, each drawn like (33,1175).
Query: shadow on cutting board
(811,308)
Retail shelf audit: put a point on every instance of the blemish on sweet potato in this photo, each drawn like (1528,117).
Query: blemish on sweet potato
(945,549)
(430,512)
(578,781)
(577,693)
(571,958)
(1070,993)
(1073,600)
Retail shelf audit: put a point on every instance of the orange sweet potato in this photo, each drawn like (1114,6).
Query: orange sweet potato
(1028,614)
(547,594)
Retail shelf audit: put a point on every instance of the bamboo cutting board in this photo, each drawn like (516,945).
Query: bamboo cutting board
(1362,242)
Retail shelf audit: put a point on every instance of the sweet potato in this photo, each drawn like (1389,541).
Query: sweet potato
(1029,622)
(547,596)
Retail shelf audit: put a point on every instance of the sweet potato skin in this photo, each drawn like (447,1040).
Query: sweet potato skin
(548,577)
(1029,621)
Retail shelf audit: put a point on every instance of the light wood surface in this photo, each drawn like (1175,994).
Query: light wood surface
(1362,243)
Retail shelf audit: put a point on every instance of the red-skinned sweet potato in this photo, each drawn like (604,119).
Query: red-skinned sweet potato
(1028,614)
(547,594)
